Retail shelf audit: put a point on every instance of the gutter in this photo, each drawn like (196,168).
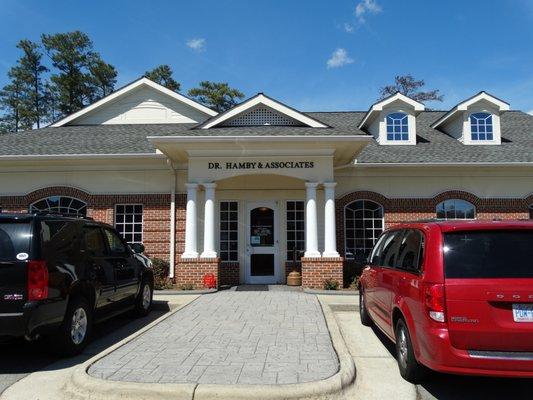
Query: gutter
(38,157)
(444,164)
(269,138)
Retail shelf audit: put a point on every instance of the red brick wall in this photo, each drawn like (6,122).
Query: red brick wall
(316,270)
(192,271)
(229,273)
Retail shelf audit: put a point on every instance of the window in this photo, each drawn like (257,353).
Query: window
(229,231)
(410,252)
(363,223)
(397,126)
(93,241)
(60,204)
(456,209)
(390,249)
(58,237)
(114,242)
(129,222)
(481,126)
(295,230)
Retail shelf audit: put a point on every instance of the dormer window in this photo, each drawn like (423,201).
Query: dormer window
(397,126)
(481,126)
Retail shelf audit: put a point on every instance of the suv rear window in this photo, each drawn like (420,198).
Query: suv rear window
(14,240)
(489,254)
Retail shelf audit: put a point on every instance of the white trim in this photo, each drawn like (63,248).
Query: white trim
(463,106)
(457,164)
(132,223)
(270,138)
(219,231)
(379,106)
(24,157)
(344,223)
(128,88)
(268,102)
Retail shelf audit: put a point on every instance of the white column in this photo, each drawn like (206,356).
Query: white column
(330,233)
(209,221)
(190,222)
(311,229)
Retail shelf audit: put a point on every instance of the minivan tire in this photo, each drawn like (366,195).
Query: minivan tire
(75,331)
(363,312)
(144,300)
(409,367)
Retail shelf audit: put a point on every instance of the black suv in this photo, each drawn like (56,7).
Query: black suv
(59,274)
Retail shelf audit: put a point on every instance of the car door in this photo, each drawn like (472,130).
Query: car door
(99,271)
(383,291)
(370,273)
(125,266)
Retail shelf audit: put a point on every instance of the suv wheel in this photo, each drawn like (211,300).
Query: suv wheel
(76,329)
(363,312)
(410,369)
(143,302)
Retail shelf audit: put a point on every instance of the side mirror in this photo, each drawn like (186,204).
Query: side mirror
(137,248)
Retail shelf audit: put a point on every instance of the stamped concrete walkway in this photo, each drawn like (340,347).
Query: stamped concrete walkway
(256,337)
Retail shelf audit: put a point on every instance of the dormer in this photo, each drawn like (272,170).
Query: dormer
(475,121)
(392,121)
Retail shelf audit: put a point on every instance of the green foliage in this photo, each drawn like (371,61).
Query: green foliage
(216,95)
(161,269)
(162,74)
(103,79)
(12,102)
(408,86)
(187,286)
(330,284)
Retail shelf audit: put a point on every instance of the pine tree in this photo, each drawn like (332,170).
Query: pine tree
(216,95)
(11,102)
(408,86)
(103,78)
(162,74)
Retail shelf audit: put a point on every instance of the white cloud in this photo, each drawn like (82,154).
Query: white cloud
(366,7)
(197,44)
(339,58)
(348,27)
(530,112)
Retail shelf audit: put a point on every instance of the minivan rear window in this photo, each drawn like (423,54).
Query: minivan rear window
(489,254)
(14,240)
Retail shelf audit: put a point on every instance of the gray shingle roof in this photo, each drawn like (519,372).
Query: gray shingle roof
(432,145)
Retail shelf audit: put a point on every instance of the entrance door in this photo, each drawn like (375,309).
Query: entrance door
(262,255)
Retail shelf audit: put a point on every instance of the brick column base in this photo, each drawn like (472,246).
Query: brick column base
(229,273)
(316,270)
(192,271)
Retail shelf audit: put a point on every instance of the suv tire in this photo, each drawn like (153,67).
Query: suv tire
(143,301)
(363,312)
(76,329)
(409,367)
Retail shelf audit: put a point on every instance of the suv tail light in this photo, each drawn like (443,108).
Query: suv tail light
(435,301)
(37,280)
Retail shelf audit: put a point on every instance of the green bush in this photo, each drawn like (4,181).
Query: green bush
(187,286)
(161,269)
(330,284)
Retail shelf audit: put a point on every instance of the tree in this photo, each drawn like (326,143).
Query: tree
(103,78)
(81,77)
(162,74)
(11,102)
(408,86)
(216,95)
(30,71)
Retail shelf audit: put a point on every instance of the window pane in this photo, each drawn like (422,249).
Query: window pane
(228,239)
(362,231)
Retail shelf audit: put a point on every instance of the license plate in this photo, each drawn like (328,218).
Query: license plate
(523,312)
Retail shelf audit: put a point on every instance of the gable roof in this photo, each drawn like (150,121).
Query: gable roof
(143,81)
(463,106)
(380,105)
(262,99)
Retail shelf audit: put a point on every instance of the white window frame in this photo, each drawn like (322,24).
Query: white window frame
(293,230)
(456,219)
(32,205)
(376,238)
(491,115)
(122,233)
(220,251)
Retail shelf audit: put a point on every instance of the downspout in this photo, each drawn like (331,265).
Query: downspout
(172,243)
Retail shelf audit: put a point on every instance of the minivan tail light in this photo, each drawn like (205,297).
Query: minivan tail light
(37,280)
(435,301)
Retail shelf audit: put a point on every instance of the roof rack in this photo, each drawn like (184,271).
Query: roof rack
(58,214)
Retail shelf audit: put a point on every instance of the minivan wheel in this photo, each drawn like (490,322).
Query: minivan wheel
(143,302)
(75,330)
(363,312)
(410,369)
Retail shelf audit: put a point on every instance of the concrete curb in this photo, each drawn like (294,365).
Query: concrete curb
(172,292)
(83,386)
(331,292)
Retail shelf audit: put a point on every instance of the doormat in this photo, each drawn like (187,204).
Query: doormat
(252,288)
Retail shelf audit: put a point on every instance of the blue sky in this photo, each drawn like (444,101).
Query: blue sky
(314,55)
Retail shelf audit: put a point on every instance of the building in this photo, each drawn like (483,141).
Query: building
(246,193)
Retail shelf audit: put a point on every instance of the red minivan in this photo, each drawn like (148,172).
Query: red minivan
(455,296)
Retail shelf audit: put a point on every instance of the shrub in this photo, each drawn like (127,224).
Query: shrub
(161,269)
(330,284)
(355,283)
(187,286)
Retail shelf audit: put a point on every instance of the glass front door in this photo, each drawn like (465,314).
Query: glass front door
(262,246)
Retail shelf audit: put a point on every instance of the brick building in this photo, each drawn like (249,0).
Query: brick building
(261,189)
